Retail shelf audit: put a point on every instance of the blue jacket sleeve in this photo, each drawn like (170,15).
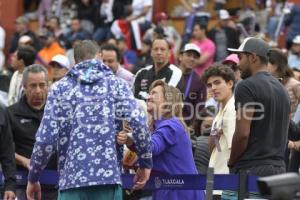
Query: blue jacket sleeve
(128,109)
(163,138)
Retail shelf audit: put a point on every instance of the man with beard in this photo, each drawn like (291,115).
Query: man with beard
(24,119)
(263,108)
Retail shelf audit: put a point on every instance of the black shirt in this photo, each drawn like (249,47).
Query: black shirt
(146,76)
(24,122)
(7,154)
(269,127)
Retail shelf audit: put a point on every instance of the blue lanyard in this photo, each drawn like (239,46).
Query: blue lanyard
(188,85)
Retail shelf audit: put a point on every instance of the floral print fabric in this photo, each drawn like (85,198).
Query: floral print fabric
(83,113)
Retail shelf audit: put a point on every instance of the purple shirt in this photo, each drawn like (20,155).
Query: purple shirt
(172,154)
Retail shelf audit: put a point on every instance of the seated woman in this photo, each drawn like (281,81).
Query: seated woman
(171,145)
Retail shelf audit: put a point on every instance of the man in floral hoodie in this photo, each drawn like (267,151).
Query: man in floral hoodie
(83,113)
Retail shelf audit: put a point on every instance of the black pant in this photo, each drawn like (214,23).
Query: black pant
(261,170)
(294,162)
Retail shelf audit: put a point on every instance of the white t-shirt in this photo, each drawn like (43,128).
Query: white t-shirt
(138,7)
(106,9)
(15,88)
(225,120)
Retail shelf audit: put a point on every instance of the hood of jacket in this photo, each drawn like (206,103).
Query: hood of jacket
(90,71)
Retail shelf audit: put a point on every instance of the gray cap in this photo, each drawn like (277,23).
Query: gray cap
(253,45)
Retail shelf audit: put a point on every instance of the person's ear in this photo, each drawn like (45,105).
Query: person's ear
(180,57)
(230,83)
(254,57)
(24,85)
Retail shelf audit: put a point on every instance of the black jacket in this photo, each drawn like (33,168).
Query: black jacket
(7,155)
(146,76)
(25,122)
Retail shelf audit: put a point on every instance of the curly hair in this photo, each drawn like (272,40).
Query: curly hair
(218,70)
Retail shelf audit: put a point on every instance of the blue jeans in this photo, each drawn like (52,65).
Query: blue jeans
(272,26)
(102,34)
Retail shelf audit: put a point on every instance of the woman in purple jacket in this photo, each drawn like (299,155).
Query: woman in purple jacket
(171,145)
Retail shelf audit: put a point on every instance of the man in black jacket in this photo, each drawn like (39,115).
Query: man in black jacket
(25,117)
(7,157)
(161,69)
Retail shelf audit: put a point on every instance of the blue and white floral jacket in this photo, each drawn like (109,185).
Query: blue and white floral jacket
(82,116)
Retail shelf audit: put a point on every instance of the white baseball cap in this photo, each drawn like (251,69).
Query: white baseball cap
(296,39)
(192,47)
(24,39)
(62,60)
(223,14)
